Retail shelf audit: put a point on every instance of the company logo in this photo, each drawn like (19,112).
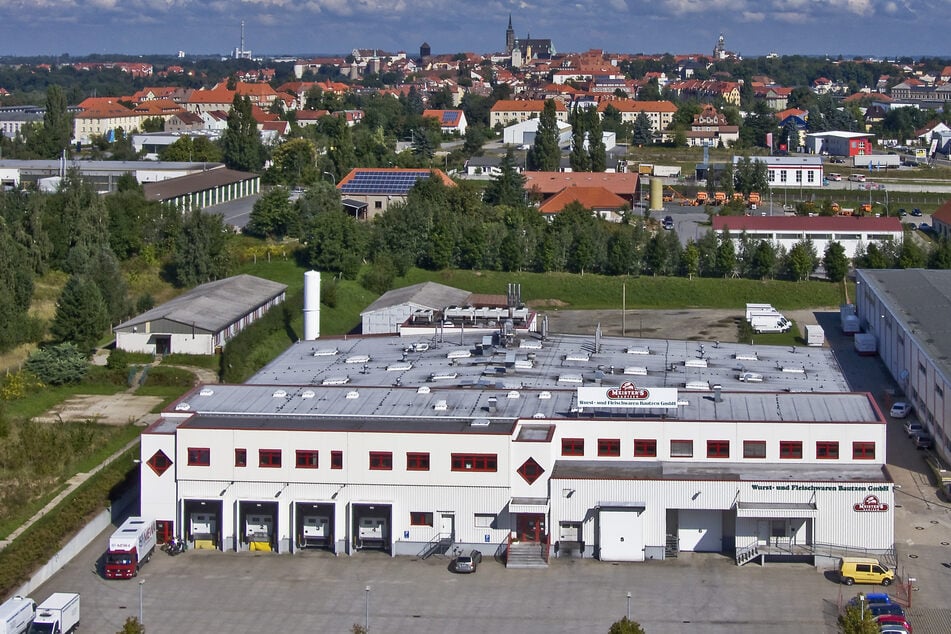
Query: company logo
(628,391)
(870,504)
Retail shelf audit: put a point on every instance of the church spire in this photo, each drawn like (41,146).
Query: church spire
(509,36)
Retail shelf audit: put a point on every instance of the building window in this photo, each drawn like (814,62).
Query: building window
(827,450)
(159,463)
(718,449)
(645,448)
(241,457)
(754,448)
(810,177)
(306,459)
(863,451)
(420,519)
(530,471)
(782,176)
(336,460)
(572,446)
(609,447)
(798,176)
(790,449)
(681,449)
(269,457)
(417,461)
(199,457)
(474,462)
(378,204)
(484,520)
(381,460)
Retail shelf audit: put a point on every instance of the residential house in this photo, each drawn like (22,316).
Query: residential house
(507,111)
(600,201)
(379,187)
(710,127)
(660,113)
(217,98)
(450,121)
(839,143)
(544,185)
(941,220)
(777,97)
(103,118)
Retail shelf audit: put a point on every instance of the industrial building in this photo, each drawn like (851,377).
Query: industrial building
(907,312)
(479,432)
(202,320)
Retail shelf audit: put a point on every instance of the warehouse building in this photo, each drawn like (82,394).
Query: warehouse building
(527,445)
(202,320)
(907,311)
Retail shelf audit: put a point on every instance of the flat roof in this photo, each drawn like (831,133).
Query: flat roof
(836,224)
(458,382)
(921,298)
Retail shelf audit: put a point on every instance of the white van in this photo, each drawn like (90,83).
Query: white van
(857,178)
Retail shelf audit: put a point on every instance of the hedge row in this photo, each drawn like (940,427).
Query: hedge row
(49,534)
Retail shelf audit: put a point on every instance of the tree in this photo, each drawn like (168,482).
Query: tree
(295,162)
(337,242)
(579,159)
(802,260)
(132,626)
(272,215)
(691,260)
(642,134)
(508,188)
(545,154)
(725,264)
(241,145)
(201,250)
(763,264)
(81,314)
(52,139)
(188,149)
(626,626)
(58,365)
(855,620)
(835,262)
(596,149)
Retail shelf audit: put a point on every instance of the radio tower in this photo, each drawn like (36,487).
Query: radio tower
(240,52)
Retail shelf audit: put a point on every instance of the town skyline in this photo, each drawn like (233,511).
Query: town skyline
(876,28)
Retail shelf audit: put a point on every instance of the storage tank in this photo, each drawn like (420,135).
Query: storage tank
(311,305)
(657,194)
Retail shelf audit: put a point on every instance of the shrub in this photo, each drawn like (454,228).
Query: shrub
(58,365)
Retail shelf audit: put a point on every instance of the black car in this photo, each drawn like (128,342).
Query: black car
(916,212)
(902,213)
(668,222)
(924,441)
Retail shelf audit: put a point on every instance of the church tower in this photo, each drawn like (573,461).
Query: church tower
(509,36)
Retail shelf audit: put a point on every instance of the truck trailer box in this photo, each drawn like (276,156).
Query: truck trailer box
(16,614)
(865,344)
(849,319)
(815,336)
(129,547)
(59,614)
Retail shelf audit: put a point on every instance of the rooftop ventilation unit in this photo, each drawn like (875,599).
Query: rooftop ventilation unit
(635,370)
(182,407)
(441,406)
(443,376)
(538,415)
(544,396)
(793,369)
(279,394)
(480,422)
(336,380)
(308,394)
(207,391)
(570,378)
(358,358)
(422,389)
(459,354)
(530,344)
(695,363)
(353,394)
(399,367)
(750,377)
(326,352)
(524,364)
(746,356)
(638,351)
(696,385)
(513,394)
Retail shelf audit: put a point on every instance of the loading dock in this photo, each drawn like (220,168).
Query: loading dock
(314,525)
(257,526)
(203,523)
(621,531)
(371,526)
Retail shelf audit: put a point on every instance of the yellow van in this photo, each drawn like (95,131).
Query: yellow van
(864,570)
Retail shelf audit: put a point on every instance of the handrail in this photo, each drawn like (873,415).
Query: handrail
(546,548)
(432,545)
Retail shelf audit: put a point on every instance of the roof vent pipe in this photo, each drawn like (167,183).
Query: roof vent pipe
(717,397)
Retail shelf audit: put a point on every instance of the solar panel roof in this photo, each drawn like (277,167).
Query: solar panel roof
(450,117)
(374,182)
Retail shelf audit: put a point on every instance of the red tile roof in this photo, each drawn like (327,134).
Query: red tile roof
(594,198)
(548,183)
(943,213)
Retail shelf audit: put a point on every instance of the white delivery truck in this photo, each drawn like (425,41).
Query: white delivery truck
(59,614)
(815,335)
(849,319)
(770,322)
(752,309)
(129,547)
(16,614)
(865,344)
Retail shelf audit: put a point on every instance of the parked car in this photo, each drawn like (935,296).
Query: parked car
(893,620)
(902,213)
(837,159)
(864,570)
(870,599)
(835,177)
(924,227)
(467,563)
(900,409)
(857,178)
(913,428)
(924,440)
(916,212)
(878,609)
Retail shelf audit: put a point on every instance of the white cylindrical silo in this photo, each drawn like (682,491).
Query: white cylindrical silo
(311,305)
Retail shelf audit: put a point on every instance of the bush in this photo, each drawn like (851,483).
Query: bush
(58,365)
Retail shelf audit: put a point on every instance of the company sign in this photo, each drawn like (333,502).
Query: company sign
(627,395)
(870,504)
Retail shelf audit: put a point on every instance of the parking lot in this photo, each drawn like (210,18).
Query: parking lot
(202,591)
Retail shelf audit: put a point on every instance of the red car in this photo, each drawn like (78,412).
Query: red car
(894,619)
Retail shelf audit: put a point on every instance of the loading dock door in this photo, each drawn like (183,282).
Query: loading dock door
(620,534)
(701,531)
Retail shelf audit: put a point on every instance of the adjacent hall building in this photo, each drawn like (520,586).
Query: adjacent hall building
(528,445)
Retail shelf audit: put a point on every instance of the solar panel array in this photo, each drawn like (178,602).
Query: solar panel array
(450,117)
(390,183)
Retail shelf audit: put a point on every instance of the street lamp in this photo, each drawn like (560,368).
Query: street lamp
(332,177)
(141,585)
(366,621)
(862,605)
(628,606)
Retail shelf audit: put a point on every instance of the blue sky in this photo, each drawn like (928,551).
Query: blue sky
(882,28)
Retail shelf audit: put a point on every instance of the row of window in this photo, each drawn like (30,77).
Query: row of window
(378,460)
(788,449)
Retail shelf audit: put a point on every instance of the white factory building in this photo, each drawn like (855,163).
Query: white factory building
(907,311)
(526,445)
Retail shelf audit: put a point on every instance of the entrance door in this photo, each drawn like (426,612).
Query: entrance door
(530,527)
(447,526)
